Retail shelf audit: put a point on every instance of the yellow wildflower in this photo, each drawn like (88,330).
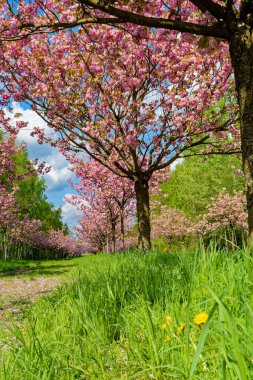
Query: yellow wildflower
(167,338)
(167,323)
(168,319)
(200,319)
(181,328)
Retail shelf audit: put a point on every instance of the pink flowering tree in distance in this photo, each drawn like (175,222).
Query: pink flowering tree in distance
(170,223)
(99,188)
(98,228)
(226,215)
(92,232)
(25,238)
(131,101)
(225,219)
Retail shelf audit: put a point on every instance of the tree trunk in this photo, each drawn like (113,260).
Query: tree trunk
(226,240)
(113,238)
(107,242)
(143,213)
(5,245)
(232,239)
(241,50)
(122,228)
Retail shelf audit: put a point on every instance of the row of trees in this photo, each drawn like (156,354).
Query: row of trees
(134,98)
(29,226)
(186,205)
(134,102)
(108,205)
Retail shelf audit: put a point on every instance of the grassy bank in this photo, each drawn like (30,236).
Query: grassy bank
(121,318)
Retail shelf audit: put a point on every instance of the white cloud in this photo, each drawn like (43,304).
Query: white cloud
(175,163)
(59,173)
(69,212)
(32,118)
(57,178)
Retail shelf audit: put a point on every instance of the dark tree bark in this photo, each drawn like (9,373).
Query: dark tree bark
(122,227)
(143,213)
(113,238)
(241,50)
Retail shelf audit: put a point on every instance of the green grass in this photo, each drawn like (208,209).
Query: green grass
(106,324)
(12,265)
(37,268)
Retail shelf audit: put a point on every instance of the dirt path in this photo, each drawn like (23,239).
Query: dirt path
(16,293)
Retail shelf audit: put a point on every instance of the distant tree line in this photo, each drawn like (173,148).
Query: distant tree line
(30,226)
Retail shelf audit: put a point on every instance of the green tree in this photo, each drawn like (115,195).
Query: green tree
(31,196)
(196,180)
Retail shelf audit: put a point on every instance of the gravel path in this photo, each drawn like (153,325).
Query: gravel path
(17,293)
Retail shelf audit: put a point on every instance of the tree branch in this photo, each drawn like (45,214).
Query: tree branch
(74,24)
(215,30)
(228,152)
(216,10)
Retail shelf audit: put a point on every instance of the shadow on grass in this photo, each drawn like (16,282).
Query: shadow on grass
(167,259)
(173,260)
(38,270)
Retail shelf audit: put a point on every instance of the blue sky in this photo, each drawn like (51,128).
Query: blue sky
(57,178)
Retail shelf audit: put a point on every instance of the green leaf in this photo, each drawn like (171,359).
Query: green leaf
(202,341)
(203,42)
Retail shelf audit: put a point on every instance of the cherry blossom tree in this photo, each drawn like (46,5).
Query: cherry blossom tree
(99,228)
(225,215)
(93,230)
(25,239)
(131,242)
(170,223)
(224,220)
(223,20)
(115,194)
(130,102)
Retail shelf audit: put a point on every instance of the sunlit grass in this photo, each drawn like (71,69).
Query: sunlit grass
(120,318)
